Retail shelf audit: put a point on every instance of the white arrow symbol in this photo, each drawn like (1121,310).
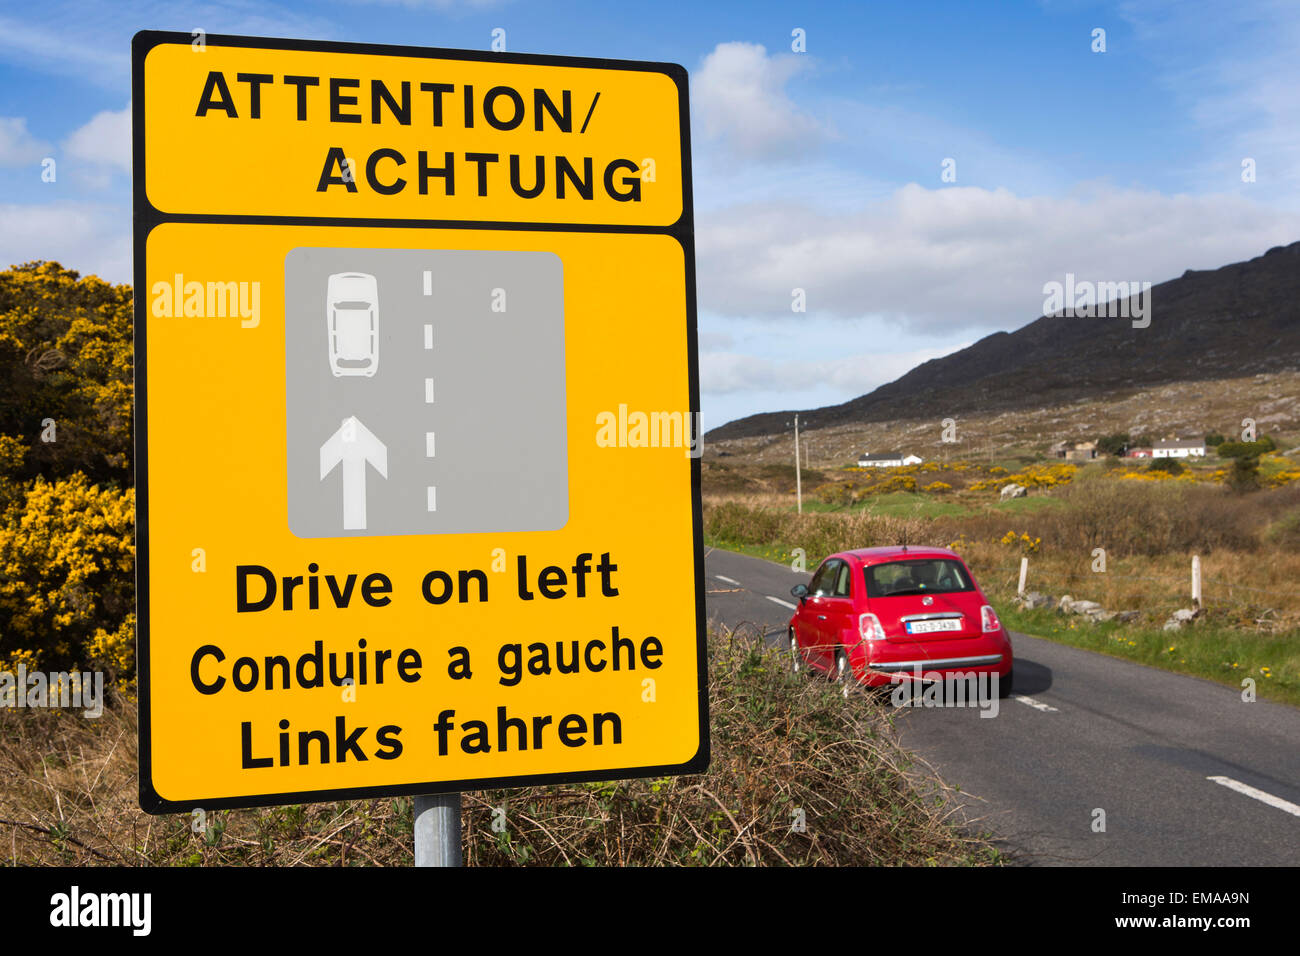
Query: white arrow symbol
(353,445)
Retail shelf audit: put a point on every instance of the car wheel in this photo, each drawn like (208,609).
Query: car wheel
(1004,684)
(843,672)
(796,658)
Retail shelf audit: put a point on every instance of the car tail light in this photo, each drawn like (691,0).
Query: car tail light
(869,627)
(989,619)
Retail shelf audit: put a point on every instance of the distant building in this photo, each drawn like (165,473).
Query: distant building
(1138,453)
(891,460)
(1178,449)
(1075,450)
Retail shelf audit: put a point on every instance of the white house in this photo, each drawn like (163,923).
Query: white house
(891,460)
(1178,449)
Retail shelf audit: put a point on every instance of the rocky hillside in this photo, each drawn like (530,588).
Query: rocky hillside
(1228,323)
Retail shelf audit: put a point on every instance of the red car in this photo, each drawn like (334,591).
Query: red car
(871,614)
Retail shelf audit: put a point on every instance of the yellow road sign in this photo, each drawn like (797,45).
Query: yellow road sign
(416,420)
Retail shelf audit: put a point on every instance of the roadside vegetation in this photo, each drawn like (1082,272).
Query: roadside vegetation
(799,776)
(1148,527)
(68,790)
(67,501)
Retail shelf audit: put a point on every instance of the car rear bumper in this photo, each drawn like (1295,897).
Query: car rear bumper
(947,663)
(886,662)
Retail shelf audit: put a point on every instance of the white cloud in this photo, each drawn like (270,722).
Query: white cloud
(723,373)
(87,237)
(17,146)
(104,141)
(738,98)
(709,341)
(966,258)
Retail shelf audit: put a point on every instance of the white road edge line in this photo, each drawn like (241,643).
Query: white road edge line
(1036,704)
(1259,795)
(779,601)
(721,577)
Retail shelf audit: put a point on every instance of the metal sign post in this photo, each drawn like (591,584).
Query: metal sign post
(437,830)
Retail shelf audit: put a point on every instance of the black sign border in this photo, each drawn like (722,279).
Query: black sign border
(146,217)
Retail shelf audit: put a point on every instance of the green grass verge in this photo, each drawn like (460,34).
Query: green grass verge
(1222,654)
(899,504)
(1026,506)
(776,555)
(906,504)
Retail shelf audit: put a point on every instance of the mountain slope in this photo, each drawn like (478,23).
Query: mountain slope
(1238,320)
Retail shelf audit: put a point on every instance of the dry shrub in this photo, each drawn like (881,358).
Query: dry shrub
(68,796)
(67,784)
(1127,518)
(1284,505)
(743,522)
(1149,532)
(755,521)
(1141,518)
(781,743)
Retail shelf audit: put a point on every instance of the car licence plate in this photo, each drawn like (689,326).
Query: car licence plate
(928,627)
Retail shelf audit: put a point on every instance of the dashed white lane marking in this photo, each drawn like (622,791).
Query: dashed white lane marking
(1036,704)
(428,335)
(428,444)
(428,282)
(1259,795)
(722,577)
(428,391)
(779,601)
(433,498)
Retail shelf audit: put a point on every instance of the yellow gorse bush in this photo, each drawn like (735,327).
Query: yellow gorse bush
(67,563)
(897,482)
(1025,543)
(1034,476)
(66,352)
(67,510)
(1278,479)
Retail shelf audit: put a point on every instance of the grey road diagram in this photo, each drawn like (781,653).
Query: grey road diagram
(425,392)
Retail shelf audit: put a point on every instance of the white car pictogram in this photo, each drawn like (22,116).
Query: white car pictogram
(352,319)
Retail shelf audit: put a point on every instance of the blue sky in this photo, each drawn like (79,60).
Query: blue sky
(818,170)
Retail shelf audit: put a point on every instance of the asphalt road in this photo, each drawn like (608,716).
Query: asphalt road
(1087,732)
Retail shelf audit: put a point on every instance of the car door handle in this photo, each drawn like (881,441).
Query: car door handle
(821,617)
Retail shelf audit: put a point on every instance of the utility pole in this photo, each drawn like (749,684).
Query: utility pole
(798,476)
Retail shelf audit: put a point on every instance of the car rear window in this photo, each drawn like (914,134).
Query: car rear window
(917,576)
(353,328)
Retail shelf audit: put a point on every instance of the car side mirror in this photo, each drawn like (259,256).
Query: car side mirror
(800,591)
